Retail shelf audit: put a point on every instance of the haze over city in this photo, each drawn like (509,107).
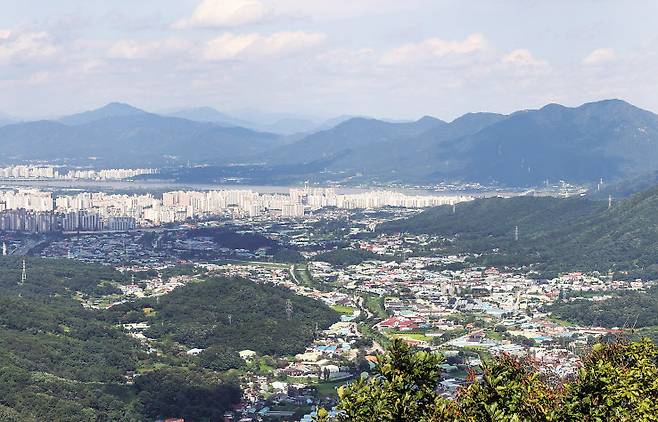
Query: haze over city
(328,211)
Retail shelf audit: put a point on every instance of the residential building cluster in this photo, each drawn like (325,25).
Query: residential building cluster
(326,197)
(438,302)
(51,172)
(38,211)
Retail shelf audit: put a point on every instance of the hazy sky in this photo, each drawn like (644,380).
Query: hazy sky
(388,58)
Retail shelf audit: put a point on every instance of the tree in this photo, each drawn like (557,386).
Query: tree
(511,389)
(618,382)
(402,387)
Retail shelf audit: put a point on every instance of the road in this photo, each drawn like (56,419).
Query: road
(26,247)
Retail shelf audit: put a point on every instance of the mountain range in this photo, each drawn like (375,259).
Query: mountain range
(5,119)
(121,135)
(609,139)
(281,123)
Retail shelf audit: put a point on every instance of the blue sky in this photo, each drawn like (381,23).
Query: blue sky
(401,59)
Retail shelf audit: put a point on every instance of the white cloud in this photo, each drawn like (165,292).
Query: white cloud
(133,50)
(224,14)
(599,56)
(434,49)
(523,58)
(230,46)
(25,46)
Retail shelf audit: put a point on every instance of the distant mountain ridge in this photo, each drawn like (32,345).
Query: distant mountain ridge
(283,124)
(610,139)
(208,115)
(107,111)
(121,135)
(6,120)
(607,139)
(348,137)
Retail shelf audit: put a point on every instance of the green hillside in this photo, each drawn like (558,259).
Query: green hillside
(60,361)
(632,309)
(197,316)
(554,234)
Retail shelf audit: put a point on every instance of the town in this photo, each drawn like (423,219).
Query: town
(384,286)
(37,211)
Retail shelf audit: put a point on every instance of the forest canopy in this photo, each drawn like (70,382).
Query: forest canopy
(232,312)
(618,382)
(554,234)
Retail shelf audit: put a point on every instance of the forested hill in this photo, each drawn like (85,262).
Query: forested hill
(234,313)
(497,217)
(554,234)
(56,278)
(60,361)
(57,360)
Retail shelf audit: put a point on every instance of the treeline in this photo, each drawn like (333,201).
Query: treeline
(63,339)
(56,277)
(233,238)
(553,234)
(43,328)
(181,393)
(164,393)
(347,257)
(235,313)
(617,382)
(632,309)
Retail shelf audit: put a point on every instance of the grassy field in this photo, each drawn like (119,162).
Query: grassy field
(369,332)
(411,336)
(375,304)
(560,322)
(257,263)
(495,335)
(328,389)
(345,310)
(302,273)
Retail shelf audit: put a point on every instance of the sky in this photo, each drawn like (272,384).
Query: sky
(383,58)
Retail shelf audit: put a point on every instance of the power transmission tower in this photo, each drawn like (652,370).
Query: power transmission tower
(24,274)
(289,309)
